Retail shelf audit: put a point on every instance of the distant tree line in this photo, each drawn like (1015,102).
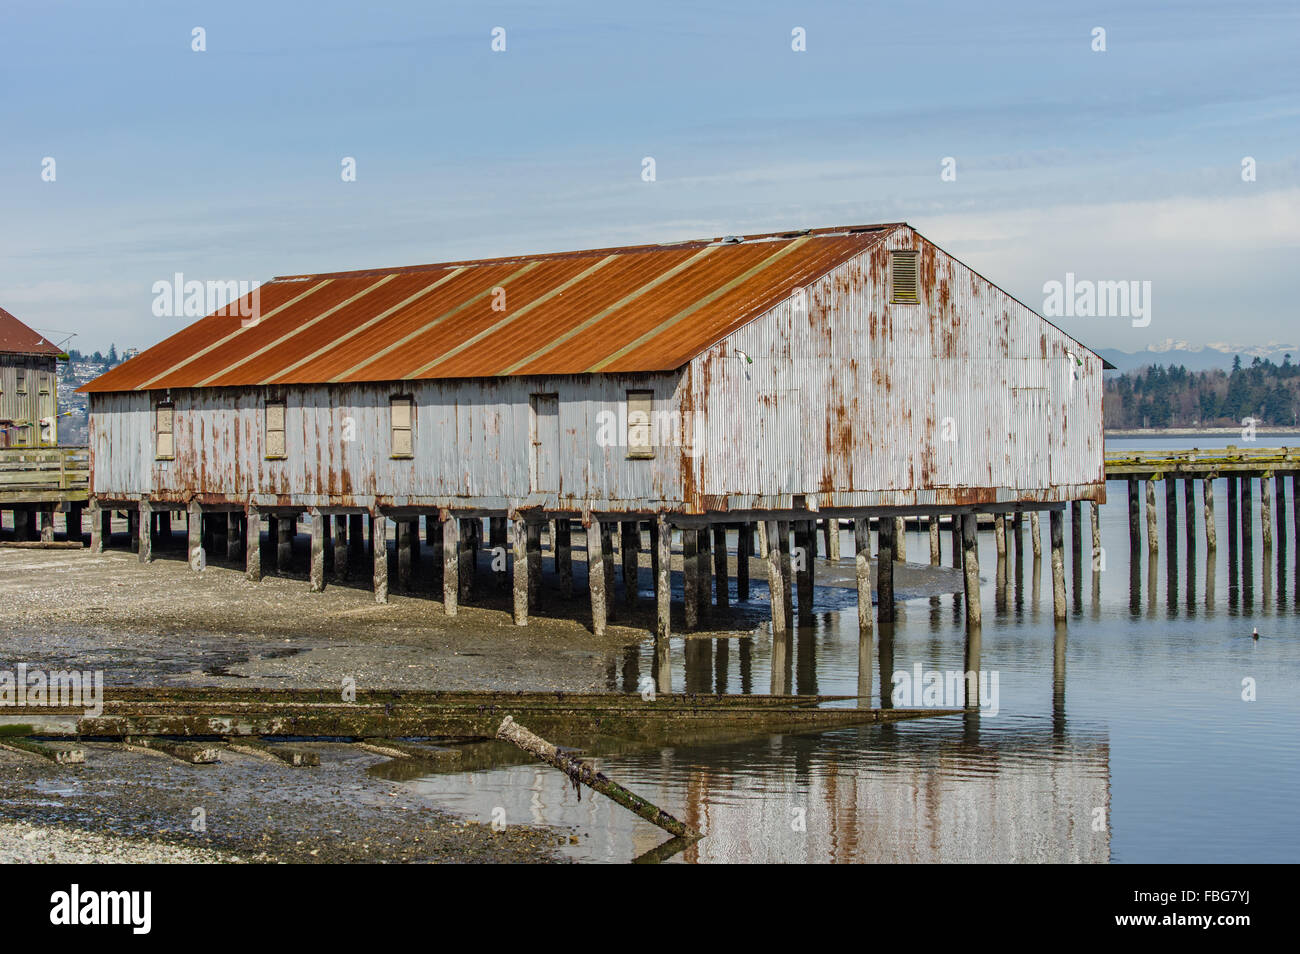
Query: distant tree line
(110,360)
(1158,396)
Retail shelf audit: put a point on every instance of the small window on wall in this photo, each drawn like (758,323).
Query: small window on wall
(902,278)
(164,416)
(640,417)
(402,411)
(22,381)
(45,383)
(274,426)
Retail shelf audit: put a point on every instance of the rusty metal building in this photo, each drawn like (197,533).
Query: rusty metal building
(850,372)
(29,386)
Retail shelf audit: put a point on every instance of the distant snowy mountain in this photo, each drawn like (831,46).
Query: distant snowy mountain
(1216,354)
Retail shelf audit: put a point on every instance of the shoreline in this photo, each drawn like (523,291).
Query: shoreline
(1195,431)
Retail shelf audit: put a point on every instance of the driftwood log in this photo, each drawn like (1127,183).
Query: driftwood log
(581,772)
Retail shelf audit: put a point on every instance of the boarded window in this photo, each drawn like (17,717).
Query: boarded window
(44,383)
(902,274)
(640,415)
(402,411)
(275,429)
(165,441)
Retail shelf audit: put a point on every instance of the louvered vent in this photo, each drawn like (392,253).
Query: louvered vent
(902,273)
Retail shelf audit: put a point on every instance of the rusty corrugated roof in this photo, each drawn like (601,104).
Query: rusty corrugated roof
(637,308)
(17,338)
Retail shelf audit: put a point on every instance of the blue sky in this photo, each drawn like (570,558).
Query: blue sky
(225,164)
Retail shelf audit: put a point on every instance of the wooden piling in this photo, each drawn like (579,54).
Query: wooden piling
(144,526)
(762,539)
(1207,500)
(1134,521)
(1247,518)
(596,575)
(705,574)
(1233,523)
(341,547)
(866,633)
(252,544)
(450,563)
(533,545)
(402,545)
(317,584)
(900,540)
(1279,482)
(466,546)
(607,563)
(1076,536)
(1035,535)
(663,536)
(72,520)
(782,543)
(721,582)
(1056,528)
(564,556)
(1189,514)
(234,534)
(833,540)
(194,535)
(630,550)
(1153,543)
(775,570)
(971,579)
(379,541)
(936,554)
(690,577)
(132,527)
(1266,511)
(744,552)
(805,540)
(520,532)
(98,535)
(1171,512)
(284,545)
(886,538)
(500,547)
(1095,515)
(957,557)
(1000,535)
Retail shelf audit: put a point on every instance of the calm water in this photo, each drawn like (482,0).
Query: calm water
(1134,715)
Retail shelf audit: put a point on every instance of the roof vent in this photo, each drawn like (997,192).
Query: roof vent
(902,277)
(732,239)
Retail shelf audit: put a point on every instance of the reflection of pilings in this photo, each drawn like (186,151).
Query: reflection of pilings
(1056,529)
(806,657)
(720,666)
(862,564)
(1058,681)
(885,638)
(973,651)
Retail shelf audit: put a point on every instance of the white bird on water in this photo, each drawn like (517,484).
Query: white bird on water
(1254,633)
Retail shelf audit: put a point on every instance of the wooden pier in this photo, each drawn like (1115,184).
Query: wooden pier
(38,482)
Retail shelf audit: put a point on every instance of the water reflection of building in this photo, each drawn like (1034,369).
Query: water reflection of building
(906,793)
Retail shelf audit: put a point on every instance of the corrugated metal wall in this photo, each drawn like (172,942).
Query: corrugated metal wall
(849,398)
(471,444)
(29,406)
